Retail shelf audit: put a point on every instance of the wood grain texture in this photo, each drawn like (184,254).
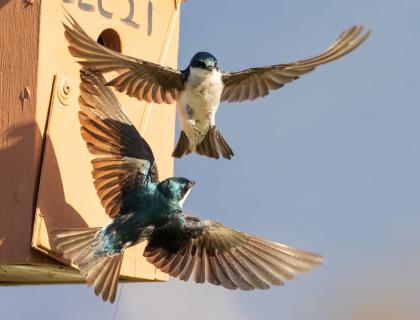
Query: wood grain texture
(20,137)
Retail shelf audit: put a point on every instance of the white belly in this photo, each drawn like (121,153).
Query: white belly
(202,95)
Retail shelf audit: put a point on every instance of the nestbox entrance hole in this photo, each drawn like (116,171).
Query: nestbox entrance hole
(110,39)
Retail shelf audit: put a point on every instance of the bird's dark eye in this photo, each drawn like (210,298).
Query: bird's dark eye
(201,63)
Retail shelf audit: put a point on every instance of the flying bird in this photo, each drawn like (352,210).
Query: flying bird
(199,88)
(143,209)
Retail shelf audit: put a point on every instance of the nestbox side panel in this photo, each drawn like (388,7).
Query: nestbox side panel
(67,197)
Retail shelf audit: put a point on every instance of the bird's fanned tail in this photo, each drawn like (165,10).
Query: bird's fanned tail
(182,147)
(101,271)
(214,145)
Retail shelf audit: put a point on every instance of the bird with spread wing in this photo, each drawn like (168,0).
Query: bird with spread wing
(200,87)
(142,208)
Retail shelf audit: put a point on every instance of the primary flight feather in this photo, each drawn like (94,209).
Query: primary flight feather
(143,208)
(200,87)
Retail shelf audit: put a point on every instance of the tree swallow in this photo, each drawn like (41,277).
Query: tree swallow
(200,87)
(143,209)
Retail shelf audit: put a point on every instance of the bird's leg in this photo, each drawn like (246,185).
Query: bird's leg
(197,133)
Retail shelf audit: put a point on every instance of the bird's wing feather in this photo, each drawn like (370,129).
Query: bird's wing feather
(254,83)
(138,78)
(126,160)
(210,251)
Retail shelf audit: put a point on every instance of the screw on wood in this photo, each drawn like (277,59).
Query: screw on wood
(64,91)
(24,96)
(66,88)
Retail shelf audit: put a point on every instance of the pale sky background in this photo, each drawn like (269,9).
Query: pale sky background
(330,163)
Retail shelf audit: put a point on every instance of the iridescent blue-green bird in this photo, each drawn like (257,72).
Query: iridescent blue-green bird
(143,209)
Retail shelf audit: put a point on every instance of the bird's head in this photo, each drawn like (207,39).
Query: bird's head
(176,189)
(204,61)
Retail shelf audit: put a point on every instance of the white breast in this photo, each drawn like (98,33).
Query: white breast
(202,93)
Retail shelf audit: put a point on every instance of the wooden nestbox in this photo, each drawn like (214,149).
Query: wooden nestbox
(45,179)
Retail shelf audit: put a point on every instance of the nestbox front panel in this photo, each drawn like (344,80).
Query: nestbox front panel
(67,197)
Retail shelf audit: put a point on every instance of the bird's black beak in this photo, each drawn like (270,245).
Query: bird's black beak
(191,183)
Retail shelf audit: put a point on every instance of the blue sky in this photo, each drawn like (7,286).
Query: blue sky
(330,163)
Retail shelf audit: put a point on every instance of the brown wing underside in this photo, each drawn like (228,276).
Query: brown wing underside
(126,161)
(208,251)
(138,78)
(254,83)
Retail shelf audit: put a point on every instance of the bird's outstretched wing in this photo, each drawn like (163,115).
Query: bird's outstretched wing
(254,83)
(211,252)
(126,162)
(138,78)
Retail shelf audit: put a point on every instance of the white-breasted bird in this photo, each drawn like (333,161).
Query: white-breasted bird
(200,87)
